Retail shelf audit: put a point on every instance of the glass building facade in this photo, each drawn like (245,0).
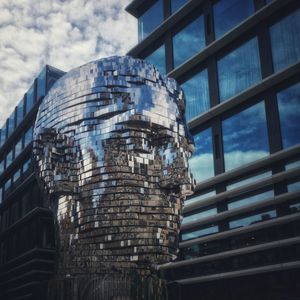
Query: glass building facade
(26,227)
(238,63)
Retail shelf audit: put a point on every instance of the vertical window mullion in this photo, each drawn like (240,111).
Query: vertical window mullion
(169,52)
(273,122)
(265,51)
(208,22)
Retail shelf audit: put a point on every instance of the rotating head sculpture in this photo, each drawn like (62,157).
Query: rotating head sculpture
(111,151)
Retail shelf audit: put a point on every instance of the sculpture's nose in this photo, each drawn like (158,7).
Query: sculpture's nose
(176,176)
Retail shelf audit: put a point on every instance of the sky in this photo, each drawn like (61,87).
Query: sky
(61,33)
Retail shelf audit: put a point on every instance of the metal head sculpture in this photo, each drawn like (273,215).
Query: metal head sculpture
(111,150)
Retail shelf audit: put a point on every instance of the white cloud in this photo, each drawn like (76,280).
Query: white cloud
(202,166)
(236,159)
(64,34)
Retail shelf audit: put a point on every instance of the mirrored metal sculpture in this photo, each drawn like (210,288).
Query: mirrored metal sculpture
(111,153)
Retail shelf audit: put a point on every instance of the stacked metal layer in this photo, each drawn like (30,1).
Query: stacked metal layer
(111,151)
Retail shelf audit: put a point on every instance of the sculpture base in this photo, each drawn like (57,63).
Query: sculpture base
(107,287)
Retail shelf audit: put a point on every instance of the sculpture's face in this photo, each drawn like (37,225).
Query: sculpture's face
(112,152)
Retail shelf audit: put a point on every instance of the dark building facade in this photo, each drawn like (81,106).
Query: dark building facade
(238,63)
(26,227)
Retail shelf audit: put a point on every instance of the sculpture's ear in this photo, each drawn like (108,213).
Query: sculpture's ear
(55,162)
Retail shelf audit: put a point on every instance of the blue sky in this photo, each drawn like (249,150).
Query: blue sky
(64,34)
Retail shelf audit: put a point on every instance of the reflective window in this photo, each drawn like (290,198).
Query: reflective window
(196,95)
(200,232)
(229,13)
(248,180)
(285,41)
(3,133)
(150,19)
(202,161)
(289,112)
(26,165)
(41,84)
(293,187)
(258,197)
(18,148)
(52,75)
(252,219)
(28,136)
(292,165)
(245,137)
(176,4)
(295,207)
(29,98)
(7,185)
(237,72)
(11,124)
(199,215)
(20,111)
(199,197)
(157,58)
(9,158)
(189,41)
(1,167)
(17,175)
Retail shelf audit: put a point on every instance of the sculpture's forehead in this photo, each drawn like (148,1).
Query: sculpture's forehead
(109,86)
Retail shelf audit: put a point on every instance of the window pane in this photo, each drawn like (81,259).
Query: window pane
(294,164)
(7,185)
(251,199)
(245,137)
(229,13)
(199,233)
(17,175)
(29,98)
(196,95)
(150,19)
(18,148)
(9,158)
(157,58)
(252,219)
(285,41)
(176,4)
(199,197)
(3,133)
(295,207)
(26,165)
(28,137)
(202,161)
(189,41)
(248,180)
(237,72)
(293,187)
(11,123)
(52,75)
(41,84)
(289,113)
(1,166)
(199,215)
(20,111)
